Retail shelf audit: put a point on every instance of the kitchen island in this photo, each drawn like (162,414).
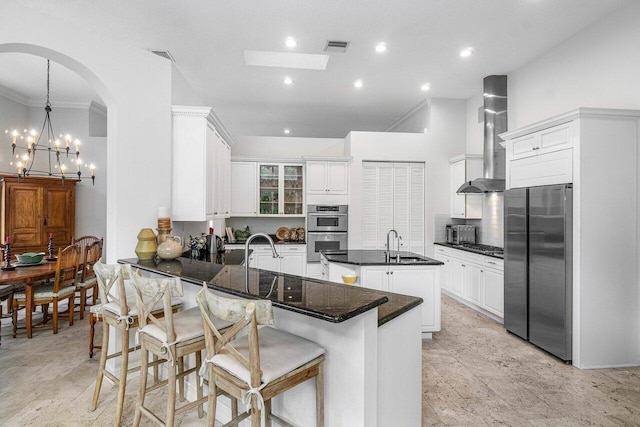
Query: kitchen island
(373,367)
(399,272)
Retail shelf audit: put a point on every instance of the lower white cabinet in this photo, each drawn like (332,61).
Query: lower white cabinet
(474,279)
(291,259)
(422,282)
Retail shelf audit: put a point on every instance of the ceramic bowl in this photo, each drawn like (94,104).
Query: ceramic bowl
(30,258)
(349,279)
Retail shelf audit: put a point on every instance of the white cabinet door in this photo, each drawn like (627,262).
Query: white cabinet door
(316,177)
(421,283)
(337,177)
(243,189)
(194,172)
(265,261)
(457,276)
(445,270)
(294,260)
(463,169)
(493,284)
(458,177)
(225,188)
(473,283)
(327,177)
(375,277)
(385,203)
(401,203)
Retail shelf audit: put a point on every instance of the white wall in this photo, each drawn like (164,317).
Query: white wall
(286,147)
(598,67)
(445,139)
(135,85)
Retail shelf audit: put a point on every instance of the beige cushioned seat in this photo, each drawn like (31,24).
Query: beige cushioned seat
(46,291)
(187,324)
(280,353)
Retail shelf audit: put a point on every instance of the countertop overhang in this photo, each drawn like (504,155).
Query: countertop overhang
(323,300)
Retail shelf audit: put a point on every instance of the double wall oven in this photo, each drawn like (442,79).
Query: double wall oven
(326,229)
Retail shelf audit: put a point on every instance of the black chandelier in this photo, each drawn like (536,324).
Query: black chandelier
(30,142)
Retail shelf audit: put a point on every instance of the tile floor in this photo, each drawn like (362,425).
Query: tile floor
(475,374)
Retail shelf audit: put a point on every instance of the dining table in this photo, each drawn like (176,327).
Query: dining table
(30,275)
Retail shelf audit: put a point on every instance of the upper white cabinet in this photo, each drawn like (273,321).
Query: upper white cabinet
(244,196)
(280,189)
(543,157)
(465,168)
(393,198)
(201,166)
(327,177)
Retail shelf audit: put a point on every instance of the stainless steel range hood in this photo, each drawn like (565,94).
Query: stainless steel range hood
(495,122)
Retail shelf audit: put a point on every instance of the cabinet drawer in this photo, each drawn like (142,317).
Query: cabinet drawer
(546,169)
(474,258)
(524,146)
(442,250)
(555,138)
(496,263)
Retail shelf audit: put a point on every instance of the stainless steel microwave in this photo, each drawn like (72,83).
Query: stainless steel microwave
(327,218)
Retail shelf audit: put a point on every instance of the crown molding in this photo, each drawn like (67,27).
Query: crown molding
(405,116)
(14,96)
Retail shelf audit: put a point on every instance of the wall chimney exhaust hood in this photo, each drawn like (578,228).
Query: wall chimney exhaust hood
(495,122)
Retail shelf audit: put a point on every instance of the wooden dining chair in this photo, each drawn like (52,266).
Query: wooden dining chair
(171,338)
(45,293)
(117,309)
(257,366)
(6,294)
(86,276)
(82,242)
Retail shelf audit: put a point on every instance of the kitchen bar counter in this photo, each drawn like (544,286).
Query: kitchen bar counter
(323,300)
(372,338)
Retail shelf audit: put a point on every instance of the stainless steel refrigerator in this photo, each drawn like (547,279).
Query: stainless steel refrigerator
(537,266)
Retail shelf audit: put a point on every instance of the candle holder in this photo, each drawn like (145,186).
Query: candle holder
(51,250)
(6,257)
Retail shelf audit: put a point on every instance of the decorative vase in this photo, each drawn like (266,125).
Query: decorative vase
(146,247)
(171,248)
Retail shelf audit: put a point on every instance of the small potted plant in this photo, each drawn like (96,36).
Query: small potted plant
(196,245)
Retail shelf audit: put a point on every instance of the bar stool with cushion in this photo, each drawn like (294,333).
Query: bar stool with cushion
(260,365)
(63,287)
(171,338)
(117,309)
(87,278)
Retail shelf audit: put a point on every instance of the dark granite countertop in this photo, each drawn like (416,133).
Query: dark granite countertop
(489,251)
(375,257)
(328,301)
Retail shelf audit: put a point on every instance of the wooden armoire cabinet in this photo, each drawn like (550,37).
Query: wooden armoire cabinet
(32,208)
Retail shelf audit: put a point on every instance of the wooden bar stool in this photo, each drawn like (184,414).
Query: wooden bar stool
(258,366)
(171,338)
(117,310)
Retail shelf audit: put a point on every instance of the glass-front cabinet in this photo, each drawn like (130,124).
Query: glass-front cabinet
(281,189)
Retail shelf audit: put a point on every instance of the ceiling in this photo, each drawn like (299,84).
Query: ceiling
(424,38)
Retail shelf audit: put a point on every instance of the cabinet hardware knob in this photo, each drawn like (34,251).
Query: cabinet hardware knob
(463,265)
(392,272)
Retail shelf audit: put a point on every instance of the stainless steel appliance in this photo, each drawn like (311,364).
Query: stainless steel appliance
(327,218)
(537,266)
(459,234)
(327,227)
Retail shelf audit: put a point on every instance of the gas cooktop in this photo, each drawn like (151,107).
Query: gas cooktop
(481,249)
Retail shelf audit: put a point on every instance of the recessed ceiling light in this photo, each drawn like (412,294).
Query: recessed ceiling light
(358,84)
(288,80)
(381,47)
(287,131)
(291,42)
(425,87)
(466,52)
